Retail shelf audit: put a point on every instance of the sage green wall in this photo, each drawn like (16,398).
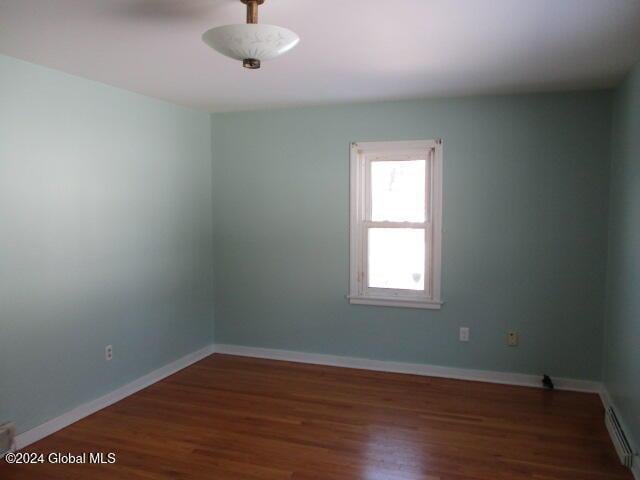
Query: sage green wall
(107,201)
(622,347)
(525,192)
(105,238)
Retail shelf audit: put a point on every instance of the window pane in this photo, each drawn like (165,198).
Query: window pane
(396,258)
(398,191)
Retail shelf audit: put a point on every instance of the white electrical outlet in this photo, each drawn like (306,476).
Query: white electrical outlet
(464,334)
(108,352)
(512,338)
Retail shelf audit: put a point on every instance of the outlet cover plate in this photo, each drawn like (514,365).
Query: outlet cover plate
(464,334)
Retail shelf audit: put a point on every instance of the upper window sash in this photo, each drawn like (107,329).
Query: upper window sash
(412,156)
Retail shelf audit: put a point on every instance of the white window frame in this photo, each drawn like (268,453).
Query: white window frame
(362,154)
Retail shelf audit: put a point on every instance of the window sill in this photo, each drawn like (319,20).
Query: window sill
(395,302)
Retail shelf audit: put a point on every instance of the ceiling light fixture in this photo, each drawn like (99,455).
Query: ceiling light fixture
(251,42)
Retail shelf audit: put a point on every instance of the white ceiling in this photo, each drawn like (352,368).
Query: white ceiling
(351,50)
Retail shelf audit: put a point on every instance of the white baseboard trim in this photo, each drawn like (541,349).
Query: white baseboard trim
(78,413)
(606,403)
(605,398)
(411,368)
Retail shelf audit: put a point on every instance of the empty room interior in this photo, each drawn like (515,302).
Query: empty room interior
(320,240)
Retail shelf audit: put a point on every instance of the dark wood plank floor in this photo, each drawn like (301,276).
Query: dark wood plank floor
(230,417)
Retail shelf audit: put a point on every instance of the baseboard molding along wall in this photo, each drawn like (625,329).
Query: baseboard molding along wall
(426,370)
(411,368)
(78,413)
(27,438)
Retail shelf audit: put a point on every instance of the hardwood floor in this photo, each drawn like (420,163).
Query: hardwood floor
(230,417)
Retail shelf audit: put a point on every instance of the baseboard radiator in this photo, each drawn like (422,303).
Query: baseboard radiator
(620,442)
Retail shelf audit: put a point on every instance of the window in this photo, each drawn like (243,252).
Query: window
(396,223)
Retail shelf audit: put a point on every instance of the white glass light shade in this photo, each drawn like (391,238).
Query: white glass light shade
(251,40)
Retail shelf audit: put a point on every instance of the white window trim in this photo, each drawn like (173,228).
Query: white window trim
(361,155)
